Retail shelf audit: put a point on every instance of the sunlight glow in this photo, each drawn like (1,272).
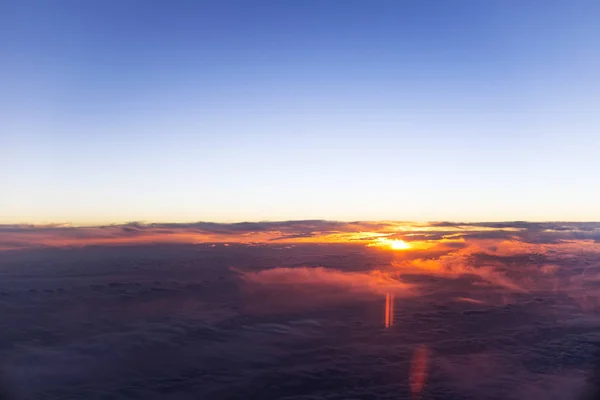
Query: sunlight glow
(394,244)
(398,244)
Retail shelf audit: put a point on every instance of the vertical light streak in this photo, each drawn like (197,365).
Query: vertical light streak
(389,310)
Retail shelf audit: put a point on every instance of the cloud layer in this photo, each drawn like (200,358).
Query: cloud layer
(309,311)
(14,237)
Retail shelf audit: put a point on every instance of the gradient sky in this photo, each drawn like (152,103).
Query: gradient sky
(114,111)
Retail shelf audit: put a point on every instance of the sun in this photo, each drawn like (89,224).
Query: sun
(398,244)
(392,244)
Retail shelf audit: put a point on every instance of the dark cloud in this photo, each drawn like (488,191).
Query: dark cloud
(300,227)
(293,236)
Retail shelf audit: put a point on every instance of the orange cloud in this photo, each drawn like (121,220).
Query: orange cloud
(297,289)
(374,282)
(516,247)
(456,265)
(421,240)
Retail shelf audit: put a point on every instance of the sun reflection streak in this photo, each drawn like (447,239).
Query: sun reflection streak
(389,310)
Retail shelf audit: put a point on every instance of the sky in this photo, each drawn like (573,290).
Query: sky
(116,111)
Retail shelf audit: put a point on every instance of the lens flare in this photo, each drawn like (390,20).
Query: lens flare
(418,371)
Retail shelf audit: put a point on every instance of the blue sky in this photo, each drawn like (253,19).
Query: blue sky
(114,111)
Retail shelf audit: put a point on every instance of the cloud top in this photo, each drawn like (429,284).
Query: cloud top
(502,238)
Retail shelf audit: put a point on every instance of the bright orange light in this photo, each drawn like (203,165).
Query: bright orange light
(394,244)
(398,244)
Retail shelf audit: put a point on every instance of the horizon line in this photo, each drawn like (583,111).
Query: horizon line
(272,221)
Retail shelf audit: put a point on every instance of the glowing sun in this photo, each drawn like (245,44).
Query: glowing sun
(398,244)
(393,244)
